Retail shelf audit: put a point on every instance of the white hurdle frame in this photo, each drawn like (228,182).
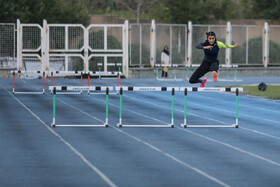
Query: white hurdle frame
(81,73)
(121,89)
(167,79)
(74,88)
(30,72)
(235,66)
(210,89)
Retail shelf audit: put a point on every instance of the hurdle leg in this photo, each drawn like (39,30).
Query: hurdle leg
(107,104)
(172,108)
(88,81)
(118,82)
(157,73)
(14,77)
(44,76)
(99,72)
(236,109)
(81,82)
(185,109)
(175,73)
(51,82)
(235,73)
(54,103)
(120,119)
(187,73)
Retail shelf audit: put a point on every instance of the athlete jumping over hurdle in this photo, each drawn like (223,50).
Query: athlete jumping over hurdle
(210,62)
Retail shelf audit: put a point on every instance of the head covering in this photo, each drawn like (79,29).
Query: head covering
(211,33)
(165,50)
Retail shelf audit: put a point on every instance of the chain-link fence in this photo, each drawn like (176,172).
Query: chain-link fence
(250,39)
(139,44)
(274,44)
(174,36)
(144,40)
(7,45)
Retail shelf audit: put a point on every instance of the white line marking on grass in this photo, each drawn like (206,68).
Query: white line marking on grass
(95,169)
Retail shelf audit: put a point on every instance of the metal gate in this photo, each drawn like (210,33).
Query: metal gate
(72,47)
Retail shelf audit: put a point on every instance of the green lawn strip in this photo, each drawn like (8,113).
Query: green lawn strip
(272,91)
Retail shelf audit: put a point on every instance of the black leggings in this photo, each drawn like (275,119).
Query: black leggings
(204,68)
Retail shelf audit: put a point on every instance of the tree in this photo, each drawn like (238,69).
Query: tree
(34,11)
(202,11)
(266,9)
(137,6)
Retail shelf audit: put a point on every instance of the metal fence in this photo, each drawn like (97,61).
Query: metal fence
(7,45)
(182,41)
(74,47)
(274,44)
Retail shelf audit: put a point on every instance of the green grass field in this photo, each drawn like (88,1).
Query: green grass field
(272,92)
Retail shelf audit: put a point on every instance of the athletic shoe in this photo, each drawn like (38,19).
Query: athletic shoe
(203,83)
(215,76)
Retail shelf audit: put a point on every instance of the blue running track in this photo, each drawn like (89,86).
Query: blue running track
(35,154)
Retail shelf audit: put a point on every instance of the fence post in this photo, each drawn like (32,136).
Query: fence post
(228,42)
(19,46)
(45,50)
(186,41)
(189,58)
(125,48)
(86,49)
(153,44)
(266,45)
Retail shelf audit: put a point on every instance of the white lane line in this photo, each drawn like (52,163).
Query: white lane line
(252,130)
(95,169)
(216,141)
(278,122)
(158,150)
(233,147)
(175,159)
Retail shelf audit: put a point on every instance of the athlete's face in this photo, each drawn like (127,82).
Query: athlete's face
(211,39)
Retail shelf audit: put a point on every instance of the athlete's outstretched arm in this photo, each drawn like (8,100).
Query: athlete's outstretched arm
(222,45)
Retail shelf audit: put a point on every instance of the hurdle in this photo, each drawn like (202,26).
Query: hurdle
(71,88)
(107,73)
(65,73)
(121,89)
(82,73)
(28,72)
(167,79)
(210,89)
(235,66)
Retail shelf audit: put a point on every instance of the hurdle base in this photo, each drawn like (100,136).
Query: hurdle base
(209,126)
(69,93)
(29,93)
(226,80)
(152,126)
(81,125)
(98,93)
(162,79)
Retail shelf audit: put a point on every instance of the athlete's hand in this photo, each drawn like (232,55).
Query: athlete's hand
(236,45)
(208,47)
